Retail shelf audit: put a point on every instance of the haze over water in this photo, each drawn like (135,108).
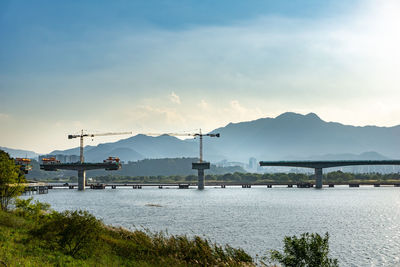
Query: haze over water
(363,223)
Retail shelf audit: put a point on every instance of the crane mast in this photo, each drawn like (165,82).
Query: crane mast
(81,148)
(201,147)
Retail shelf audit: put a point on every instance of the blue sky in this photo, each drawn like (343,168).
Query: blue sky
(169,66)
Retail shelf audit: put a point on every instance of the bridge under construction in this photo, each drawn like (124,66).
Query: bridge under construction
(113,163)
(81,168)
(108,164)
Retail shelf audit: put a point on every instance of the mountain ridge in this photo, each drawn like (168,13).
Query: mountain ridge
(287,136)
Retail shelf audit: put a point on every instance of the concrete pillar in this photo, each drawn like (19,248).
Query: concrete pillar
(200,167)
(81,180)
(200,181)
(318,177)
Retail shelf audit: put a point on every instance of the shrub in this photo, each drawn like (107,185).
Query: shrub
(309,250)
(9,219)
(27,208)
(74,232)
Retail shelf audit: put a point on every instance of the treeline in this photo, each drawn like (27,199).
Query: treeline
(239,177)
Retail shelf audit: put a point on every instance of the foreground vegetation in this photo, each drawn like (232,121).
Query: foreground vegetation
(308,250)
(31,235)
(11,180)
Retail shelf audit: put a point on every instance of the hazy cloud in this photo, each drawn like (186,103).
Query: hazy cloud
(174,98)
(154,117)
(203,104)
(238,112)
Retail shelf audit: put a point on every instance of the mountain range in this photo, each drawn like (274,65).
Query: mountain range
(19,153)
(289,136)
(292,136)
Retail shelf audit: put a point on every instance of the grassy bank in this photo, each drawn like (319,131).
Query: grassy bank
(31,236)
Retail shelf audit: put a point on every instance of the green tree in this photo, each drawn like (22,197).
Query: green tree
(310,250)
(11,180)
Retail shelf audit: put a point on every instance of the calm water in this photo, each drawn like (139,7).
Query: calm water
(363,223)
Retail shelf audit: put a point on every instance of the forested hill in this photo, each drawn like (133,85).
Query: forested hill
(164,167)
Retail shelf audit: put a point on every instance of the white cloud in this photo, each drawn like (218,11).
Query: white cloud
(174,98)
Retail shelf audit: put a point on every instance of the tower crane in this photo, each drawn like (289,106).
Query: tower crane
(201,165)
(82,135)
(199,134)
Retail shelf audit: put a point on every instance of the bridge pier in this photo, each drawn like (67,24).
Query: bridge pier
(81,180)
(200,167)
(200,179)
(318,178)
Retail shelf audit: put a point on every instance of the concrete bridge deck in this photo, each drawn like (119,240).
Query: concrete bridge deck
(319,165)
(81,168)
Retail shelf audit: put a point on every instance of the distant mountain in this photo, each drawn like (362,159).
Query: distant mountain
(288,136)
(163,146)
(291,136)
(71,151)
(19,153)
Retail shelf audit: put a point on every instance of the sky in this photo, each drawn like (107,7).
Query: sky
(180,65)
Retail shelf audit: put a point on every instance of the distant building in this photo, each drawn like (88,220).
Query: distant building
(73,158)
(253,164)
(221,163)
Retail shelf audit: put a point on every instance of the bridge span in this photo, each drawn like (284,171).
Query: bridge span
(81,168)
(319,165)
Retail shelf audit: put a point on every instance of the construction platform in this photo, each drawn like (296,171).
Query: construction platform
(111,166)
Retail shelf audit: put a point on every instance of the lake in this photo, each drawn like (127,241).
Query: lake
(363,223)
